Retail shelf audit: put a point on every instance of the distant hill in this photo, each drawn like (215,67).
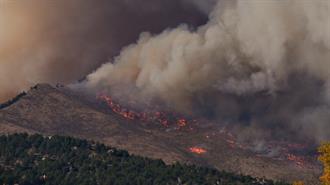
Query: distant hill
(52,110)
(57,160)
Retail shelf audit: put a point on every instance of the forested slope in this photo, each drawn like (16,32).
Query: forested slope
(36,159)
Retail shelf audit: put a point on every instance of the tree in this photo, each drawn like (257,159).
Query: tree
(64,161)
(325,159)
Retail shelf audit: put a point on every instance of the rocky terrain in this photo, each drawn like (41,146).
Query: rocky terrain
(57,110)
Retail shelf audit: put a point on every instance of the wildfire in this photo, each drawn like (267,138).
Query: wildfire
(298,160)
(182,122)
(164,118)
(167,119)
(197,150)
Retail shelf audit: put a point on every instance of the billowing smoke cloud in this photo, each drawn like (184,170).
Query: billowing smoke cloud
(263,64)
(62,41)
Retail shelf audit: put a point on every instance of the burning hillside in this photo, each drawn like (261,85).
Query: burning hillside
(261,67)
(242,85)
(49,110)
(295,153)
(165,119)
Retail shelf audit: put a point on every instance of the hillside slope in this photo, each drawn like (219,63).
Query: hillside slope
(62,160)
(49,110)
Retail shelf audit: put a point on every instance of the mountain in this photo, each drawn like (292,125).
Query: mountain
(60,111)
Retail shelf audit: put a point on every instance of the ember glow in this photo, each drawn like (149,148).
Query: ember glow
(164,118)
(197,150)
(299,161)
(175,121)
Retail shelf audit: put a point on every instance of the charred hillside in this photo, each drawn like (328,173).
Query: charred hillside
(59,111)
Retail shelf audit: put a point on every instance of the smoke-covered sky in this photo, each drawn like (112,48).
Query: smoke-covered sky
(264,64)
(64,40)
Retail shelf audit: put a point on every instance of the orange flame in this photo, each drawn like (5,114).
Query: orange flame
(160,117)
(298,160)
(182,122)
(197,150)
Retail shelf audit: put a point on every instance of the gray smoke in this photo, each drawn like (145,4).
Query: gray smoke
(264,64)
(64,40)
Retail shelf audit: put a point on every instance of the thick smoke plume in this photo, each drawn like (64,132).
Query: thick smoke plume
(259,63)
(64,40)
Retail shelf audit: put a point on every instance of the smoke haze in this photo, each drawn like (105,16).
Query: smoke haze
(264,64)
(64,40)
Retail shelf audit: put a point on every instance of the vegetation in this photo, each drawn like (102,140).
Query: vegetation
(35,159)
(325,159)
